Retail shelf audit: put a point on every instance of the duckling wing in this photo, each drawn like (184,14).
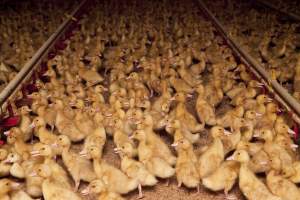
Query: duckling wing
(20,195)
(53,191)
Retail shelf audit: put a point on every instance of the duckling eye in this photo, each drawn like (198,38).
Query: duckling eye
(43,148)
(7,184)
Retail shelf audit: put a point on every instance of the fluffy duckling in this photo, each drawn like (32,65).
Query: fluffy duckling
(90,76)
(45,136)
(223,178)
(184,115)
(67,127)
(213,156)
(180,131)
(52,189)
(180,85)
(281,187)
(4,166)
(114,178)
(227,120)
(205,111)
(161,149)
(292,173)
(147,155)
(98,187)
(186,164)
(79,167)
(249,184)
(96,138)
(16,169)
(7,186)
(120,138)
(18,145)
(25,123)
(275,151)
(135,169)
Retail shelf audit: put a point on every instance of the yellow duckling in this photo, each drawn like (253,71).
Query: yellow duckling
(148,156)
(16,169)
(135,169)
(205,112)
(45,136)
(227,120)
(181,131)
(91,76)
(7,186)
(182,114)
(52,189)
(249,184)
(114,178)
(4,167)
(282,187)
(98,187)
(25,122)
(292,173)
(120,138)
(180,85)
(213,156)
(79,167)
(223,178)
(18,145)
(186,164)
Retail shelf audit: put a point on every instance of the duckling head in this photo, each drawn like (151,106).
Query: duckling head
(251,114)
(266,135)
(100,89)
(180,97)
(165,107)
(200,89)
(12,158)
(174,124)
(182,144)
(139,135)
(34,95)
(283,128)
(25,110)
(64,141)
(147,119)
(94,152)
(95,187)
(11,139)
(43,150)
(125,149)
(38,122)
(241,156)
(7,185)
(3,154)
(262,99)
(44,171)
(217,131)
(272,108)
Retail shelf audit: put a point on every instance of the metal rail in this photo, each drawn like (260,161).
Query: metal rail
(284,12)
(42,52)
(280,93)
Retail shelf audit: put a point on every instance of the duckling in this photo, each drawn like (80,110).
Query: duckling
(147,155)
(275,151)
(18,145)
(281,187)
(44,135)
(223,178)
(90,76)
(120,138)
(52,189)
(135,169)
(6,186)
(115,179)
(98,187)
(180,85)
(4,166)
(186,75)
(213,92)
(186,164)
(16,169)
(292,173)
(25,122)
(249,184)
(227,120)
(213,156)
(205,112)
(67,127)
(20,194)
(48,114)
(79,167)
(181,131)
(160,147)
(184,115)
(96,138)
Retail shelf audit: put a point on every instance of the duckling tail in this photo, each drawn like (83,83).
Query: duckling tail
(150,180)
(132,184)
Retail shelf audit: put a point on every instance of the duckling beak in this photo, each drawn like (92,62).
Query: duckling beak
(35,153)
(172,99)
(131,137)
(6,133)
(32,125)
(83,153)
(15,185)
(33,174)
(117,150)
(290,131)
(174,144)
(269,100)
(7,160)
(294,146)
(55,145)
(230,158)
(258,114)
(85,191)
(227,132)
(189,96)
(260,85)
(263,162)
(255,135)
